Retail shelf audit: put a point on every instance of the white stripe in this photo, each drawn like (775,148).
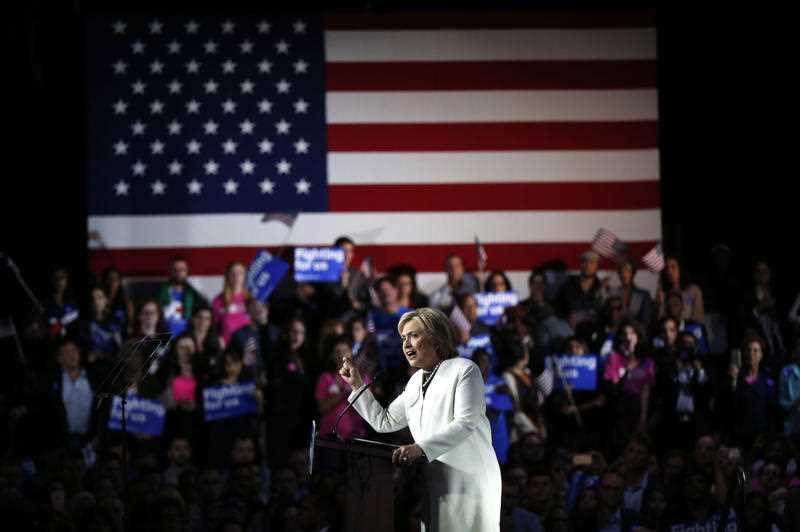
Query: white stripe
(493,167)
(491,45)
(211,285)
(374,228)
(490,106)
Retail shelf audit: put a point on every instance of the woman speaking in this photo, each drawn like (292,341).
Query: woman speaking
(443,406)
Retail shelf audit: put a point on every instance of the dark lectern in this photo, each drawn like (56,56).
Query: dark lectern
(368,472)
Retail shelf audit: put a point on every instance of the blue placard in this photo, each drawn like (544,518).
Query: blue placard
(580,372)
(229,400)
(467,349)
(318,265)
(491,305)
(264,274)
(142,416)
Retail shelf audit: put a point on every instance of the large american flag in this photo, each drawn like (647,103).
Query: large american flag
(411,133)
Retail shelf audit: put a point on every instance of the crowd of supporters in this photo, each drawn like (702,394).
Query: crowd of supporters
(689,421)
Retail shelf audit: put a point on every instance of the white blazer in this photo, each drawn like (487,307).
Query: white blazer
(449,424)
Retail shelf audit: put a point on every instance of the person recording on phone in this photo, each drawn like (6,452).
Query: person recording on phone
(443,405)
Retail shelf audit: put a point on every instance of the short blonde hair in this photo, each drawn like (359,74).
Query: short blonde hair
(437,325)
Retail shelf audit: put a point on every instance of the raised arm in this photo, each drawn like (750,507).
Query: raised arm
(381,419)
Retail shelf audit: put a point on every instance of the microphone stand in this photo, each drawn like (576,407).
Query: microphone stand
(333,432)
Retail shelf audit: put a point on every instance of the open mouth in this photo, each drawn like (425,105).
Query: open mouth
(411,355)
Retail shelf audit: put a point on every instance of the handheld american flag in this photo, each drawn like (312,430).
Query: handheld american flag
(654,259)
(608,245)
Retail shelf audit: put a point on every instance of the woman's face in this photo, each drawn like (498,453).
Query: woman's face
(358,331)
(575,348)
(630,336)
(297,335)
(202,321)
(233,367)
(674,272)
(498,284)
(148,316)
(60,280)
(669,332)
(99,300)
(184,350)
(236,276)
(754,354)
(418,345)
(341,351)
(626,274)
(405,285)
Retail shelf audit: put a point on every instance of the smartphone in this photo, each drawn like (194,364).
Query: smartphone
(582,460)
(736,357)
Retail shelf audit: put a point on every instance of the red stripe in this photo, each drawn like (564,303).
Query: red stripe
(491,20)
(425,258)
(495,196)
(490,75)
(493,136)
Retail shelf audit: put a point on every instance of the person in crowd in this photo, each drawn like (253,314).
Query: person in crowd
(513,516)
(62,310)
(581,297)
(385,319)
(350,295)
(675,309)
(478,334)
(601,340)
(497,281)
(789,393)
(636,302)
(698,508)
(74,391)
(635,470)
(611,514)
(654,514)
(452,433)
(693,304)
(459,281)
(257,339)
(208,360)
(100,330)
(179,459)
(181,386)
(149,321)
(542,494)
(408,293)
(536,304)
(120,303)
(498,403)
(527,415)
(759,316)
(331,393)
(229,307)
(178,298)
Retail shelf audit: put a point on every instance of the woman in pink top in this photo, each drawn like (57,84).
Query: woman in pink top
(632,372)
(332,391)
(181,386)
(230,306)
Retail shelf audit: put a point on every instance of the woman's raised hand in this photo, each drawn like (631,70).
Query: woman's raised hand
(350,373)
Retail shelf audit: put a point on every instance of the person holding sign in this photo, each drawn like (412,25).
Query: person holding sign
(444,407)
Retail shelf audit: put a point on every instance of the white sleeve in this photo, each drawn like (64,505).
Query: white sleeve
(381,419)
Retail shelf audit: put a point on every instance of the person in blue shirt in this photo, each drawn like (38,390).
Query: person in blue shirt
(789,392)
(178,297)
(498,403)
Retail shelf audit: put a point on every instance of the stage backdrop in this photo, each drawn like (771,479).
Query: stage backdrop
(411,133)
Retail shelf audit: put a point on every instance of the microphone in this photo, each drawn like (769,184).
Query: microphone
(333,432)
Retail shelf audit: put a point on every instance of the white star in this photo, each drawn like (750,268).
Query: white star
(193,147)
(264,66)
(229,146)
(228,26)
(300,67)
(228,67)
(120,67)
(299,26)
(120,107)
(231,186)
(175,86)
(175,167)
(265,146)
(156,107)
(302,186)
(247,86)
(264,26)
(211,86)
(210,127)
(192,67)
(192,106)
(120,148)
(228,106)
(301,146)
(282,127)
(284,167)
(282,47)
(122,188)
(174,47)
(264,106)
(194,186)
(119,27)
(210,47)
(155,27)
(247,127)
(138,128)
(211,167)
(247,167)
(139,168)
(192,26)
(157,147)
(174,127)
(158,187)
(138,87)
(246,47)
(301,106)
(267,186)
(156,67)
(283,86)
(137,47)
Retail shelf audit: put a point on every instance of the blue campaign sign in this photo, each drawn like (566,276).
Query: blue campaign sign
(264,274)
(491,305)
(467,349)
(318,265)
(142,416)
(580,372)
(229,400)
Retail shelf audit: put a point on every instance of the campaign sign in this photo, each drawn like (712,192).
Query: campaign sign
(142,416)
(467,349)
(491,305)
(580,372)
(318,265)
(264,274)
(229,400)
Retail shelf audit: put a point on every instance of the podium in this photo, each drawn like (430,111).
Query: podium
(367,469)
